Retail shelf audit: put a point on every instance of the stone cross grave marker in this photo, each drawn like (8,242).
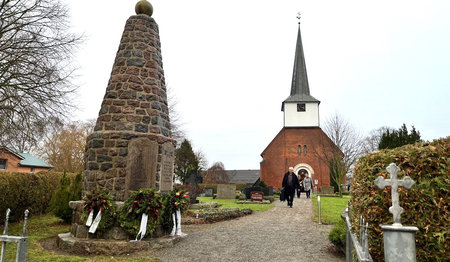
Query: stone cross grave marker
(396,210)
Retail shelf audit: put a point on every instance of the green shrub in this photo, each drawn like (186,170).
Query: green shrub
(66,192)
(215,215)
(20,191)
(425,204)
(270,198)
(337,235)
(239,187)
(261,183)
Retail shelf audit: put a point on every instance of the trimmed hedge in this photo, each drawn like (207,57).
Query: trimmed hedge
(21,191)
(425,204)
(239,187)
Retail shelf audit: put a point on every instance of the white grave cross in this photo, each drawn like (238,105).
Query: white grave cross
(396,210)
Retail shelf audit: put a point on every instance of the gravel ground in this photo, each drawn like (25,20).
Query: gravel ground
(279,234)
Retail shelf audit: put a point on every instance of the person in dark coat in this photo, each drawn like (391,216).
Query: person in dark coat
(290,183)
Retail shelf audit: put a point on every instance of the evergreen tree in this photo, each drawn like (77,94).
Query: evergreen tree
(67,191)
(186,161)
(392,138)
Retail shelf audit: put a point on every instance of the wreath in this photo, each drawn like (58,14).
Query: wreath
(144,201)
(172,201)
(177,200)
(99,201)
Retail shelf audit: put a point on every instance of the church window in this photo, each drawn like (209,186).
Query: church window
(304,149)
(2,164)
(299,149)
(301,108)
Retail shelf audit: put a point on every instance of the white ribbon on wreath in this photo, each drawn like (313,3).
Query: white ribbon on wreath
(97,220)
(90,218)
(142,228)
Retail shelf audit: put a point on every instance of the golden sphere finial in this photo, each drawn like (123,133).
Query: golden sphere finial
(144,7)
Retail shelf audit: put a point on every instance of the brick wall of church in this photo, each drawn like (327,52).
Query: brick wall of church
(283,152)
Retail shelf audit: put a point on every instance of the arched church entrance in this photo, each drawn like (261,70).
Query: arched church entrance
(302,169)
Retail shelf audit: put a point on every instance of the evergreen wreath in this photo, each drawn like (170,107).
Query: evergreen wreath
(144,201)
(99,201)
(177,200)
(172,201)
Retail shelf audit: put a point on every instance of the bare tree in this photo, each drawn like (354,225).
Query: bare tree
(64,147)
(372,141)
(176,123)
(216,174)
(347,148)
(36,48)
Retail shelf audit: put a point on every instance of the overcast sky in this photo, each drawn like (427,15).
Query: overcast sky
(229,64)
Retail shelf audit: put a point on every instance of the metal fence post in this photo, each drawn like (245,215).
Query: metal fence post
(5,232)
(318,203)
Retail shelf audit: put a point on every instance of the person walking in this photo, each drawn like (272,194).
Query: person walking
(300,186)
(307,184)
(290,183)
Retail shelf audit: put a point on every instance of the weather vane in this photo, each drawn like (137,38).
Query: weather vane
(298,17)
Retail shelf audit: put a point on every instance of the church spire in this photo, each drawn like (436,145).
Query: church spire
(299,85)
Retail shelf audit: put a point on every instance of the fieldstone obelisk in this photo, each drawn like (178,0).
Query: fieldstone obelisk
(132,147)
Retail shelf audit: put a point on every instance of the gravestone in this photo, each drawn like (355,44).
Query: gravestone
(268,191)
(209,192)
(167,167)
(257,196)
(225,191)
(194,179)
(249,190)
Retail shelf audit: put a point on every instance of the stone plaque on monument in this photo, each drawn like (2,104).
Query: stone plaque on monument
(141,164)
(226,191)
(167,167)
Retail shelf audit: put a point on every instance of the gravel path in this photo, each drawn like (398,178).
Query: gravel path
(279,234)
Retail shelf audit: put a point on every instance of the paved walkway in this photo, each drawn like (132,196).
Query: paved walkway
(279,234)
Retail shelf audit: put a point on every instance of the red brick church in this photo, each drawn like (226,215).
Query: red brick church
(301,143)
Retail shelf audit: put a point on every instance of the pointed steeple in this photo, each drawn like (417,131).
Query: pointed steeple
(299,86)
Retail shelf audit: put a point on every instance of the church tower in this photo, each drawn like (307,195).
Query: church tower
(301,143)
(300,109)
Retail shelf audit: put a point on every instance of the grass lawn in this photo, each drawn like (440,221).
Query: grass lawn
(231,203)
(330,208)
(40,227)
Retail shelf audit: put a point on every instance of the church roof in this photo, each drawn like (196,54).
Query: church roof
(249,176)
(299,86)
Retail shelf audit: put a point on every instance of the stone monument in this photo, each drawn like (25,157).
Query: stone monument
(131,146)
(399,240)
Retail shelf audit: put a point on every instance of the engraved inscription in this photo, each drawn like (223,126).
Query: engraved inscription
(167,167)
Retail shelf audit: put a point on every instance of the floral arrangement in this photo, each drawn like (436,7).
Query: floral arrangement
(144,201)
(99,201)
(172,201)
(177,200)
